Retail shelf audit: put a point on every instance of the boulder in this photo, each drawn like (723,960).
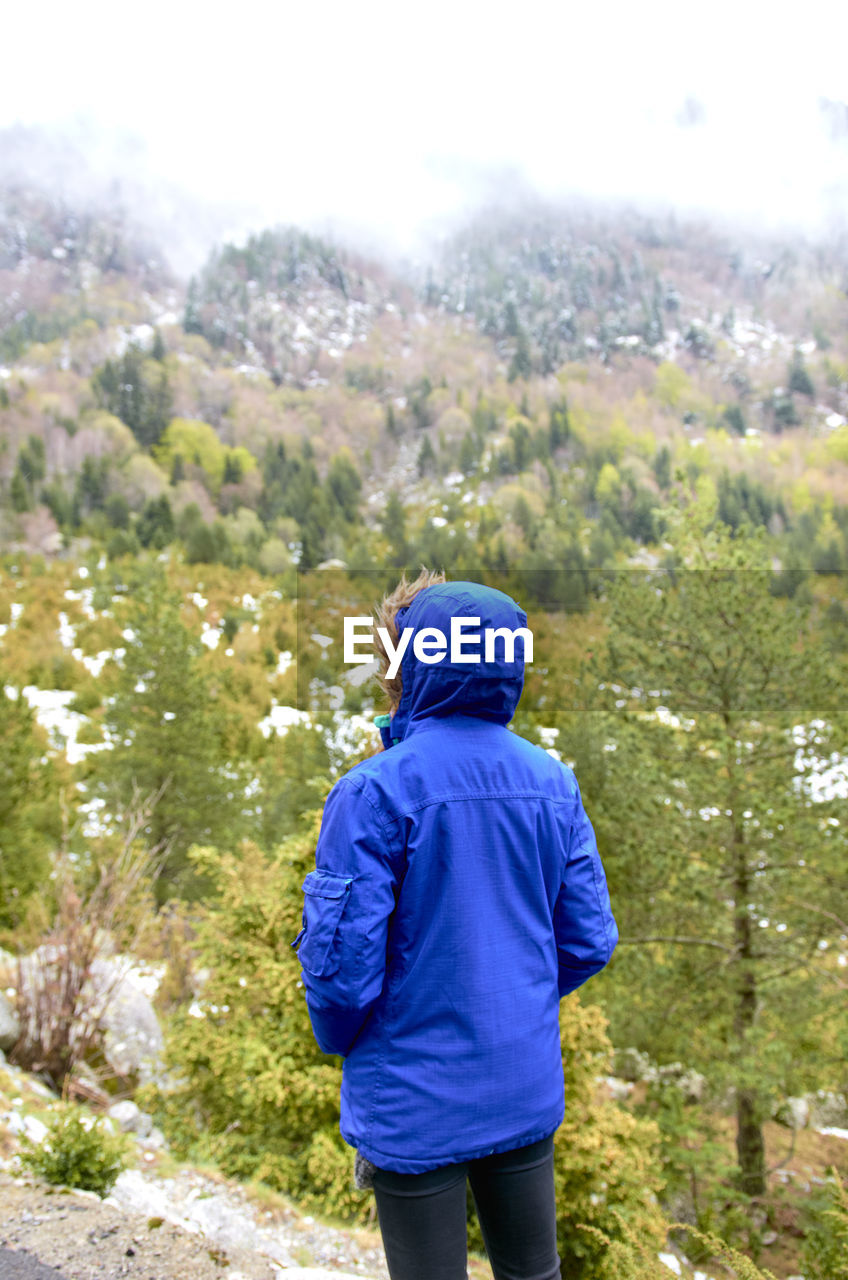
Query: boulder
(633,1065)
(131,1118)
(132,1040)
(827,1109)
(690,1082)
(794,1113)
(26,1127)
(618,1089)
(118,994)
(10,1025)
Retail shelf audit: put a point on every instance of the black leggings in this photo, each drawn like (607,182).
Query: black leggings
(423,1216)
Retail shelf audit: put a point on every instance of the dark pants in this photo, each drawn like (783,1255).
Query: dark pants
(423,1216)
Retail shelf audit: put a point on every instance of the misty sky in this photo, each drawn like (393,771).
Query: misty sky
(388,116)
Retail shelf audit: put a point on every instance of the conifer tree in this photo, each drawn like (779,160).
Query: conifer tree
(394,529)
(29,809)
(726,864)
(426,457)
(168,734)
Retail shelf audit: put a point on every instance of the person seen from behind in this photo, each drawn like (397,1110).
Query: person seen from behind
(458,895)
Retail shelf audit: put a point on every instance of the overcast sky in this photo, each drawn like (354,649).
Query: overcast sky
(389,116)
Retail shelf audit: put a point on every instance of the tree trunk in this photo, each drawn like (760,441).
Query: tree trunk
(750,1146)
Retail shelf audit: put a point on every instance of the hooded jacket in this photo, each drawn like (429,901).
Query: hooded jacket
(458,894)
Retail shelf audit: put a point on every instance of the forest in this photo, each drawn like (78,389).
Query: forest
(635,425)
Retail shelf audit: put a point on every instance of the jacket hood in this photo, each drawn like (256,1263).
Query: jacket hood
(489,690)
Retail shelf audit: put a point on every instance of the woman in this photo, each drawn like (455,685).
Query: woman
(458,894)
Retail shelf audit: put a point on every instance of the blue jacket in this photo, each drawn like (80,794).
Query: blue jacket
(458,894)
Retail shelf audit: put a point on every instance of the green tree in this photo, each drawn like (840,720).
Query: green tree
(799,378)
(169,733)
(735,418)
(30,825)
(426,457)
(343,485)
(825,1254)
(522,451)
(729,870)
(19,492)
(32,460)
(255,1092)
(662,466)
(393,522)
(136,389)
(521,364)
(192,319)
(155,525)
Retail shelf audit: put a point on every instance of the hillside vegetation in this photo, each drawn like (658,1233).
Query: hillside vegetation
(636,425)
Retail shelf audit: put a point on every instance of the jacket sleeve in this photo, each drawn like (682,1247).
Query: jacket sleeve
(348,900)
(586,932)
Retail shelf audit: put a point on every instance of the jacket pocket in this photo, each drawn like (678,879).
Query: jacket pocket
(325,897)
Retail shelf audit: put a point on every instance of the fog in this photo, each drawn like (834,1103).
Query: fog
(384,123)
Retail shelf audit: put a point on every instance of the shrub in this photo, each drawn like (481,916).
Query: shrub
(629,1258)
(252,1091)
(78,1151)
(60,1001)
(606,1161)
(825,1254)
(255,1094)
(606,1165)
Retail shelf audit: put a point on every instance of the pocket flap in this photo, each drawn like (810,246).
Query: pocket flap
(325,896)
(326,884)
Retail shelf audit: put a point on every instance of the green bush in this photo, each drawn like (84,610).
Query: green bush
(606,1161)
(629,1258)
(253,1091)
(825,1254)
(78,1151)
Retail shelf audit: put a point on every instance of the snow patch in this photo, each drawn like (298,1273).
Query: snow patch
(280,720)
(210,636)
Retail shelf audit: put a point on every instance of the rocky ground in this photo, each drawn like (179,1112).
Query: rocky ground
(202,1229)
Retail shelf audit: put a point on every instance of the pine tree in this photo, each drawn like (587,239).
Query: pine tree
(799,378)
(393,522)
(426,457)
(723,866)
(168,734)
(29,809)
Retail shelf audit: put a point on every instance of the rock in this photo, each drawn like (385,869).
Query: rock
(155,1140)
(690,1082)
(672,1262)
(14,1123)
(131,1118)
(25,1127)
(35,1129)
(827,1109)
(10,1024)
(129,1035)
(313,1273)
(132,1037)
(618,1089)
(631,1064)
(794,1113)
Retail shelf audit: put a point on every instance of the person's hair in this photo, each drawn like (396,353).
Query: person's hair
(385,613)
